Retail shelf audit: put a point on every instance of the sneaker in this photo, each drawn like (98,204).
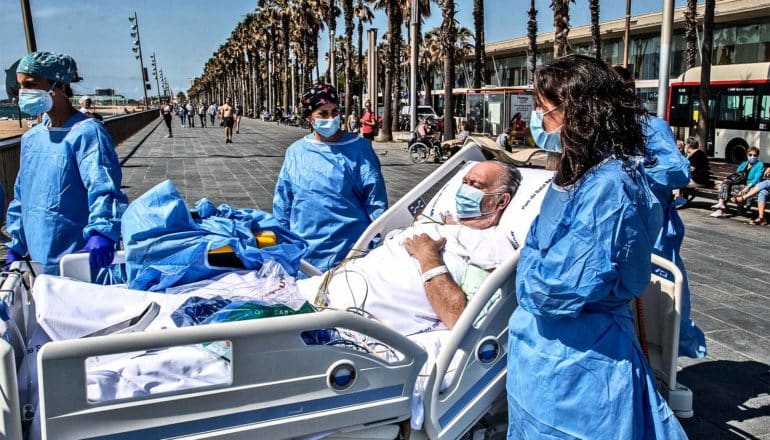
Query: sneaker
(718,213)
(169,136)
(680,201)
(718,205)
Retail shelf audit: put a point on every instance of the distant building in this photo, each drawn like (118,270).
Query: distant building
(741,35)
(102,98)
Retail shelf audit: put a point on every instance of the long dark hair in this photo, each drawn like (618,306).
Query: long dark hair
(601,116)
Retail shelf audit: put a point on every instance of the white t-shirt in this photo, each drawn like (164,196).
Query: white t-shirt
(387,283)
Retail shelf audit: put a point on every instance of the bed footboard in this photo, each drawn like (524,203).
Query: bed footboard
(280,387)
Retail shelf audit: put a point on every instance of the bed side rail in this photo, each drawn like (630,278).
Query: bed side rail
(76,266)
(483,345)
(402,212)
(280,387)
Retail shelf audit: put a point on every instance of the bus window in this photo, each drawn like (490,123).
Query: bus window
(729,106)
(763,112)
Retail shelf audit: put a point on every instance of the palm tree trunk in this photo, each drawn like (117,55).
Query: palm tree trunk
(347,6)
(532,36)
(285,61)
(690,35)
(596,38)
(360,62)
(387,92)
(480,74)
(396,53)
(705,75)
(560,27)
(448,32)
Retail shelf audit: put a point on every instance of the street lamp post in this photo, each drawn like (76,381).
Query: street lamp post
(155,74)
(414,30)
(138,50)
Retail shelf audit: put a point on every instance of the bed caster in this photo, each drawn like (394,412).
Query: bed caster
(680,401)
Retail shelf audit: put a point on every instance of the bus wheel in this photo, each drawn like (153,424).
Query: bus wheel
(736,151)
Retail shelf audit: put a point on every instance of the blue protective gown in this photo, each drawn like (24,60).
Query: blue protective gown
(328,194)
(575,368)
(68,187)
(667,169)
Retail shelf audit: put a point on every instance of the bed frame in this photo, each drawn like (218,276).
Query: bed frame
(281,387)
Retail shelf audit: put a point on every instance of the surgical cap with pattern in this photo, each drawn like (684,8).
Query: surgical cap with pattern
(317,96)
(51,66)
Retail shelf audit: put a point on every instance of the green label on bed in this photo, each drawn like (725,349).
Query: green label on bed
(250,310)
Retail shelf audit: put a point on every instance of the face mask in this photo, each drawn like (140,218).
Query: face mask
(753,159)
(34,101)
(548,141)
(468,202)
(327,127)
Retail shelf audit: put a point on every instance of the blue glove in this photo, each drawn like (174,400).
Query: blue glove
(101,251)
(12,256)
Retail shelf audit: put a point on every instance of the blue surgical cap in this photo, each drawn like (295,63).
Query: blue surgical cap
(51,66)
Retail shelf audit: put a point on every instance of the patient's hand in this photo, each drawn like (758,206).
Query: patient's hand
(425,250)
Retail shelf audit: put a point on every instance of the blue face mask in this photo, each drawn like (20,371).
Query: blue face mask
(327,127)
(548,141)
(34,101)
(753,159)
(468,202)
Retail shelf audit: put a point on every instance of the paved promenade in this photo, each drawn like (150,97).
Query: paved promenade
(727,259)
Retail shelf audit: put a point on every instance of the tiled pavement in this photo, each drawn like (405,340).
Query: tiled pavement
(728,261)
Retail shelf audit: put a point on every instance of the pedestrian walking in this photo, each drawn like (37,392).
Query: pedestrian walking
(190,110)
(182,112)
(368,122)
(227,114)
(213,109)
(166,111)
(238,115)
(202,114)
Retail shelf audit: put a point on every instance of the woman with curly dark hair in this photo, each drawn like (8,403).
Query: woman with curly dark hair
(575,367)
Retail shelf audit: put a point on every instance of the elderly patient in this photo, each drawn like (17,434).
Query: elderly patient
(421,277)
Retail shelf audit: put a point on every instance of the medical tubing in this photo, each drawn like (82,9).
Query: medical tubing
(640,327)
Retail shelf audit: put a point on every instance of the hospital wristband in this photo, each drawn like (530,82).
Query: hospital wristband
(433,273)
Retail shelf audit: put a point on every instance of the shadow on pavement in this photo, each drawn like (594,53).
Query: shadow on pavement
(720,392)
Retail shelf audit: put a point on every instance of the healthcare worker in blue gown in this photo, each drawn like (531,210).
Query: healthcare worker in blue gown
(67,195)
(668,170)
(330,187)
(575,367)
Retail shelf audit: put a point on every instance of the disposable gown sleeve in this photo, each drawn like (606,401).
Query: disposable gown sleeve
(101,176)
(602,252)
(669,169)
(283,196)
(375,197)
(14,224)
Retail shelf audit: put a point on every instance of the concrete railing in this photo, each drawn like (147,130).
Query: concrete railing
(120,128)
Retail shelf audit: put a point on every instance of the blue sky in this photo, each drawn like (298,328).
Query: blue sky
(184,34)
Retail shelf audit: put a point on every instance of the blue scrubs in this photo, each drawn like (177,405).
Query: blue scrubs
(575,368)
(667,170)
(68,187)
(328,194)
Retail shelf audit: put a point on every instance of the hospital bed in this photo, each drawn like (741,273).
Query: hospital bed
(280,387)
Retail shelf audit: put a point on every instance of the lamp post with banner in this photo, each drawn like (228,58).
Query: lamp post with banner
(138,53)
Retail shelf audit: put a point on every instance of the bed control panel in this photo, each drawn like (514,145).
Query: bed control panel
(416,207)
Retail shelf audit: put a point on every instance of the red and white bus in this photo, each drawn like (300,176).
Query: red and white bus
(739,103)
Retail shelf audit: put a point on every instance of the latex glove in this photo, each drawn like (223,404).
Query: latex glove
(12,256)
(101,251)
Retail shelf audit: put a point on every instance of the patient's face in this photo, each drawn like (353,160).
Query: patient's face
(485,176)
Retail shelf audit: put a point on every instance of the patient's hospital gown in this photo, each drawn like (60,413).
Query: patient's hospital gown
(575,368)
(667,170)
(68,187)
(387,282)
(328,194)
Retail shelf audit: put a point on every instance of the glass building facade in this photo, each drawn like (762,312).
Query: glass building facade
(733,44)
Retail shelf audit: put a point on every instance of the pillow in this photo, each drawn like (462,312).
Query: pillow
(520,213)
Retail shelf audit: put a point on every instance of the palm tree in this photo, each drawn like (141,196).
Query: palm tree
(480,75)
(448,39)
(431,59)
(532,37)
(690,35)
(705,74)
(560,27)
(364,15)
(347,10)
(596,38)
